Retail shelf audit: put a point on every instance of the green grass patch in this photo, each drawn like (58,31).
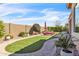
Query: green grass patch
(27,45)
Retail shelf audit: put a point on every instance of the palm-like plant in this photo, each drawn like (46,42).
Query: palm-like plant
(63,42)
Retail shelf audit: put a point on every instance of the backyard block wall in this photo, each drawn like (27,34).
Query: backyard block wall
(15,29)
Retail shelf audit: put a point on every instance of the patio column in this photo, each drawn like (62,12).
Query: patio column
(73,18)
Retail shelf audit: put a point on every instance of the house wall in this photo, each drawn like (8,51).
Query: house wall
(15,29)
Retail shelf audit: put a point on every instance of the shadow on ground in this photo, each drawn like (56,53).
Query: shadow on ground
(31,48)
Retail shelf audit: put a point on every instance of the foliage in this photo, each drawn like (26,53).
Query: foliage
(22,34)
(63,42)
(35,28)
(77,29)
(57,28)
(72,45)
(11,37)
(58,43)
(2,32)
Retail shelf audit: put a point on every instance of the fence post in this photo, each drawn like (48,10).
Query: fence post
(9,28)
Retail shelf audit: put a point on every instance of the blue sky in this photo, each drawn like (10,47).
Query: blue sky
(30,13)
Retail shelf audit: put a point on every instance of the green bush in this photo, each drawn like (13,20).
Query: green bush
(57,29)
(11,37)
(22,34)
(77,29)
(2,32)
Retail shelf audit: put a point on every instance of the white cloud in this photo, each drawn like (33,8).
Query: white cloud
(51,16)
(55,13)
(5,10)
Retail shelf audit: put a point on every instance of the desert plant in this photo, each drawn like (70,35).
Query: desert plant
(72,45)
(65,43)
(58,43)
(62,42)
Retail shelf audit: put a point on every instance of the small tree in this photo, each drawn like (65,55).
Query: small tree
(36,28)
(1,29)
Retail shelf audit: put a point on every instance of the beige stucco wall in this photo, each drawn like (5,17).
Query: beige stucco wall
(6,28)
(15,29)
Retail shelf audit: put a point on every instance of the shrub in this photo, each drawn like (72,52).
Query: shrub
(77,29)
(11,37)
(2,32)
(22,34)
(57,28)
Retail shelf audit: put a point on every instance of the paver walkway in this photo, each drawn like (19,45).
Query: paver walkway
(5,43)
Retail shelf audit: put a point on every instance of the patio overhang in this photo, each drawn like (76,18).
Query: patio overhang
(69,5)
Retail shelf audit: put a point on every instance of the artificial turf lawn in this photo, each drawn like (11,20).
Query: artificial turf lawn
(27,45)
